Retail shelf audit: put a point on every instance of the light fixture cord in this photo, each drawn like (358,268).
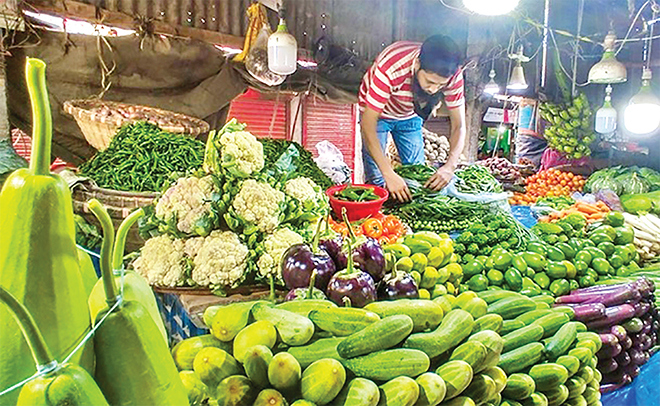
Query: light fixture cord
(654,7)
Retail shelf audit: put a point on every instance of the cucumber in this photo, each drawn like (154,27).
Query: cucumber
(529,317)
(388,364)
(303,307)
(548,376)
(586,373)
(399,391)
(576,386)
(358,392)
(455,326)
(556,396)
(583,354)
(509,326)
(592,337)
(566,310)
(520,337)
(319,349)
(284,372)
(463,299)
(521,358)
(535,399)
(544,299)
(260,332)
(551,323)
(230,319)
(480,389)
(293,328)
(381,335)
(491,296)
(256,364)
(488,322)
(457,376)
(342,321)
(569,362)
(476,307)
(519,386)
(322,381)
(443,301)
(561,341)
(493,343)
(498,376)
(432,389)
(472,352)
(425,314)
(512,307)
(461,401)
(576,401)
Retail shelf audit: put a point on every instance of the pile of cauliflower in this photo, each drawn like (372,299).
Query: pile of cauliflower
(231,223)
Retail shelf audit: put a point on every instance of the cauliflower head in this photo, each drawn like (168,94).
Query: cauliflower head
(242,153)
(274,247)
(219,259)
(188,203)
(259,203)
(162,261)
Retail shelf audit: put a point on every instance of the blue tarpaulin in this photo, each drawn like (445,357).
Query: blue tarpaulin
(643,391)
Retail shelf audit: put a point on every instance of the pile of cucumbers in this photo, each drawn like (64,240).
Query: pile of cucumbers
(570,130)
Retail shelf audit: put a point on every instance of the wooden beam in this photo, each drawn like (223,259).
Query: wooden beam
(89,13)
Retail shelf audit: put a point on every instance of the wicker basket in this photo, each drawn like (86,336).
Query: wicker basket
(99,129)
(119,204)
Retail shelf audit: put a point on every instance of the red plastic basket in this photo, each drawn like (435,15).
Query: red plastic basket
(357,210)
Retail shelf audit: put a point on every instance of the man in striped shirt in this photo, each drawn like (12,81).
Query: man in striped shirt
(406,83)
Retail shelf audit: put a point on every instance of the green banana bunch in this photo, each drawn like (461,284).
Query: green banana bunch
(570,131)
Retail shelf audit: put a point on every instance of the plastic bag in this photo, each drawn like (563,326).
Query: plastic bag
(331,162)
(501,200)
(256,62)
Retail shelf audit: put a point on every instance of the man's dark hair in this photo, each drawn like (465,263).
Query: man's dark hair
(440,55)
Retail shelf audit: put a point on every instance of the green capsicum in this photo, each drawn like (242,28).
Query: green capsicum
(513,279)
(534,260)
(600,237)
(555,270)
(606,247)
(555,254)
(38,254)
(560,287)
(624,235)
(542,280)
(502,260)
(601,266)
(583,256)
(568,251)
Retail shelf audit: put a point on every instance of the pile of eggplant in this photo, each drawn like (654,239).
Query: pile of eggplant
(350,272)
(626,317)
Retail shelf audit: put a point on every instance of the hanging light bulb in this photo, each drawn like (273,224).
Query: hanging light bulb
(606,115)
(642,116)
(608,70)
(517,80)
(492,87)
(490,7)
(282,49)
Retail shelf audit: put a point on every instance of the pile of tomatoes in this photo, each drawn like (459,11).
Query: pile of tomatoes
(386,229)
(550,182)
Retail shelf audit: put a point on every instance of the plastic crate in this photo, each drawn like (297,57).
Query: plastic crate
(178,321)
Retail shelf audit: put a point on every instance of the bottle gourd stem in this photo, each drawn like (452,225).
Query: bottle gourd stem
(106,251)
(35,340)
(42,123)
(120,241)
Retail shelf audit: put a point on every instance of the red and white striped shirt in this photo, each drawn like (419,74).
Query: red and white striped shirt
(387,85)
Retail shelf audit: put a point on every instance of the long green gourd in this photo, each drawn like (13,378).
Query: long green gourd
(38,255)
(133,363)
(87,272)
(60,384)
(135,286)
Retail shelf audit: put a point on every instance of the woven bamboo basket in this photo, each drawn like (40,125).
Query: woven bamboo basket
(119,204)
(99,127)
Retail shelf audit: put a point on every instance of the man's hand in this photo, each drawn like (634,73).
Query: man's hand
(440,179)
(398,187)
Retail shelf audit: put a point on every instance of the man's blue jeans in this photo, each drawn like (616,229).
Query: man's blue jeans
(407,136)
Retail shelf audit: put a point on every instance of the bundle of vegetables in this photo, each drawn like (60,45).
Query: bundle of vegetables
(436,149)
(278,150)
(503,170)
(142,158)
(429,260)
(352,193)
(493,231)
(624,180)
(591,212)
(548,359)
(550,182)
(647,235)
(386,229)
(570,129)
(401,352)
(477,179)
(627,321)
(555,202)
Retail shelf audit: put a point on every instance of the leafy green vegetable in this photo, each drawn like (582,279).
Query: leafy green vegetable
(9,160)
(292,158)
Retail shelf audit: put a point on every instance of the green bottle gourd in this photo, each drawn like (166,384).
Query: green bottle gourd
(133,363)
(135,286)
(87,272)
(60,383)
(38,255)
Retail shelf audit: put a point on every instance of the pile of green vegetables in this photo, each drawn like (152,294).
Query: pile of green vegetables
(302,162)
(141,158)
(87,235)
(555,202)
(561,231)
(499,230)
(624,180)
(476,179)
(358,194)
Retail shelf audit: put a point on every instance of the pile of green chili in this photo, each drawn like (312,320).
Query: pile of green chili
(356,194)
(141,158)
(476,179)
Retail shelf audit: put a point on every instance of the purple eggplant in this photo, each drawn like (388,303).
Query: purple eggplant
(647,356)
(587,312)
(310,292)
(636,356)
(609,351)
(623,359)
(367,255)
(333,246)
(619,332)
(608,294)
(397,285)
(608,339)
(610,387)
(641,308)
(351,284)
(632,370)
(626,343)
(617,297)
(300,260)
(613,315)
(645,342)
(607,365)
(646,329)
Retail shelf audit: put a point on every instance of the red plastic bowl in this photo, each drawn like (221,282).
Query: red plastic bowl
(357,210)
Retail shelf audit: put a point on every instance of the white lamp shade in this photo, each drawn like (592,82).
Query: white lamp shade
(490,7)
(282,52)
(608,70)
(517,80)
(492,87)
(606,119)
